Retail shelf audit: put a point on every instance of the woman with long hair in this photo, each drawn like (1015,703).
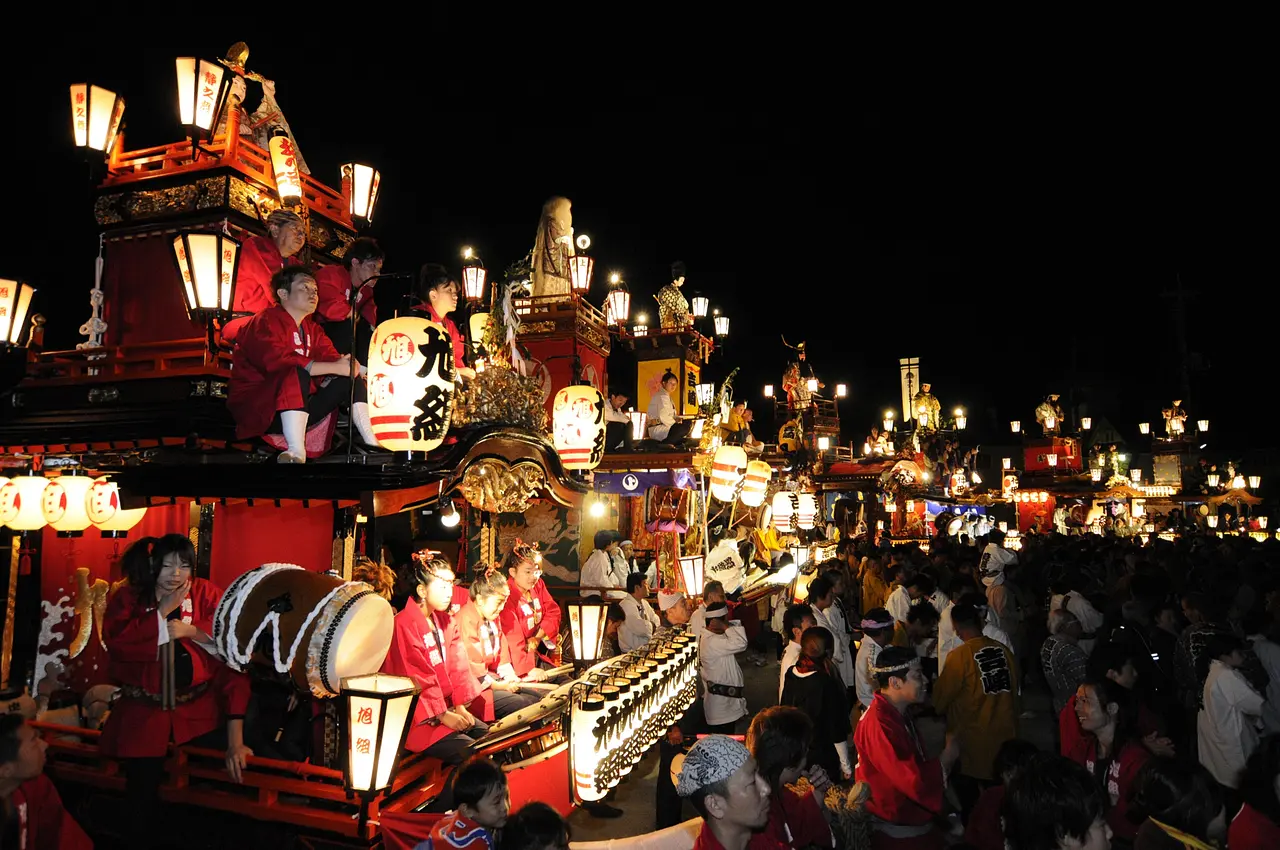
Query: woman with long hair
(163,604)
(1110,749)
(1179,807)
(487,650)
(531,618)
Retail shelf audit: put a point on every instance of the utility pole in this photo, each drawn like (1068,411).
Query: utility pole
(1180,297)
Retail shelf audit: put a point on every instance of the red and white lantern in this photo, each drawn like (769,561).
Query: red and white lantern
(785,507)
(577,419)
(411,374)
(22,502)
(284,163)
(727,468)
(806,511)
(756,483)
(64,503)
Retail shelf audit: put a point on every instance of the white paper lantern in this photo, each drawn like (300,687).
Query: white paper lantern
(727,468)
(585,748)
(577,419)
(102,502)
(22,502)
(411,373)
(477,323)
(756,483)
(785,505)
(806,511)
(284,164)
(64,504)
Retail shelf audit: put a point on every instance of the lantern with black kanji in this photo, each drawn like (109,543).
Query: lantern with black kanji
(577,420)
(410,384)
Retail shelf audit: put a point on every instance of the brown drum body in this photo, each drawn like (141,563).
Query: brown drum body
(315,628)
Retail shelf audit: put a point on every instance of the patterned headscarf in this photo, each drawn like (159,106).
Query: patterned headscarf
(713,759)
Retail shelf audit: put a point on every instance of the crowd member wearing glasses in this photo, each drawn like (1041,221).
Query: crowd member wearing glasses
(427,648)
(286,374)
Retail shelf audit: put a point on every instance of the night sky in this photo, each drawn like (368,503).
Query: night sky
(1016,238)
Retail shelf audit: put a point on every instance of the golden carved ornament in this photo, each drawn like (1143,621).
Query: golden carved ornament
(491,485)
(501,396)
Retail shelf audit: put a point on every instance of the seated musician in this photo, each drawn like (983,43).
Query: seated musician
(488,651)
(531,618)
(663,425)
(734,432)
(287,374)
(161,604)
(438,297)
(361,263)
(426,647)
(31,812)
(261,257)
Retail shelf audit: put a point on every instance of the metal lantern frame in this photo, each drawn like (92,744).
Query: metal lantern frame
(96,115)
(692,571)
(700,305)
(362,191)
(587,648)
(582,268)
(722,326)
(474,276)
(193,83)
(198,311)
(350,688)
(15,301)
(617,305)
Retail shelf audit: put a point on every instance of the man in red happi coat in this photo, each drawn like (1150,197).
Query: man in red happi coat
(260,258)
(30,809)
(906,788)
(531,618)
(286,373)
(361,264)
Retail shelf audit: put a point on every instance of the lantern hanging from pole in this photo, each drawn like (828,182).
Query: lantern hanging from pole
(22,502)
(768,390)
(842,390)
(202,92)
(587,621)
(581,267)
(208,264)
(727,468)
(96,114)
(1006,463)
(1203,425)
(1144,427)
(284,165)
(1015,426)
(15,301)
(806,511)
(961,420)
(617,307)
(1086,422)
(691,567)
(639,423)
(379,708)
(888,420)
(756,483)
(784,506)
(700,304)
(1255,481)
(411,373)
(64,502)
(722,326)
(364,180)
(577,419)
(473,276)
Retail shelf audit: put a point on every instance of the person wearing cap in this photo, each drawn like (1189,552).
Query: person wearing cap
(723,698)
(600,570)
(360,266)
(906,787)
(641,621)
(673,607)
(719,777)
(261,257)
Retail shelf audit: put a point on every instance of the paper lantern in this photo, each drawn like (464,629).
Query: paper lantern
(477,325)
(768,390)
(473,278)
(64,504)
(1262,523)
(1203,425)
(587,621)
(617,307)
(806,510)
(1135,475)
(756,483)
(1086,422)
(1052,459)
(842,390)
(1006,462)
(1050,422)
(102,502)
(691,570)
(15,301)
(284,164)
(1015,426)
(640,329)
(208,265)
(1144,427)
(96,114)
(379,708)
(722,326)
(727,468)
(705,393)
(639,422)
(577,418)
(585,749)
(410,384)
(202,92)
(363,181)
(824,443)
(1096,474)
(122,522)
(1255,481)
(1213,479)
(1213,521)
(700,303)
(21,502)
(784,509)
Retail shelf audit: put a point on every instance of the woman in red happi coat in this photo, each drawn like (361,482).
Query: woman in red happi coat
(163,603)
(488,651)
(530,618)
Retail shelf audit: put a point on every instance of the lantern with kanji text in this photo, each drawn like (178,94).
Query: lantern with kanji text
(473,276)
(202,93)
(410,384)
(587,621)
(96,114)
(379,709)
(284,165)
(15,301)
(207,264)
(577,421)
(361,184)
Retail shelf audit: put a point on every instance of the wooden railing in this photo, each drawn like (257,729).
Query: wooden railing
(169,357)
(550,307)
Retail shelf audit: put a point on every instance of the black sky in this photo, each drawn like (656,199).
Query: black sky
(1012,233)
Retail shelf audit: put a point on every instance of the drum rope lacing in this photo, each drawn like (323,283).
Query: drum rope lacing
(238,658)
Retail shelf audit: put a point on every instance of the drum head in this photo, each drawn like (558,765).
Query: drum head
(351,639)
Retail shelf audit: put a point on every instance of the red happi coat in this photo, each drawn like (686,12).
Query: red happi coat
(906,788)
(487,652)
(430,652)
(521,618)
(140,728)
(459,344)
(43,824)
(1120,782)
(334,285)
(263,377)
(796,820)
(259,260)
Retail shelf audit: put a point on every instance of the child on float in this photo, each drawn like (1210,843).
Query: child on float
(481,800)
(531,618)
(163,603)
(487,650)
(536,826)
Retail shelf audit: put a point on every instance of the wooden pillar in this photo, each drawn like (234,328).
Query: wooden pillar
(200,532)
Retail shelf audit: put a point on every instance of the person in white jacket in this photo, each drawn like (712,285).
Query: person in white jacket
(723,698)
(601,570)
(663,424)
(877,633)
(1227,726)
(642,621)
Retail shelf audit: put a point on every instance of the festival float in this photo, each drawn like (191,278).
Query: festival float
(128,435)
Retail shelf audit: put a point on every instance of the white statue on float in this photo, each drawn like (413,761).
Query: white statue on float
(267,117)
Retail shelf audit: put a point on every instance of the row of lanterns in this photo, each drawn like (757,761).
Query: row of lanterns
(69,505)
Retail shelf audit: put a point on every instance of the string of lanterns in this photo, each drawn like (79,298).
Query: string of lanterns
(69,504)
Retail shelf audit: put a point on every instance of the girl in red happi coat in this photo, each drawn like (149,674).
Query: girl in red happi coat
(531,618)
(488,651)
(161,604)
